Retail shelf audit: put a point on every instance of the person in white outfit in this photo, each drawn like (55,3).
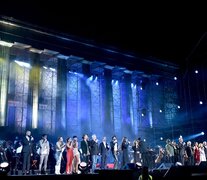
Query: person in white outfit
(202,152)
(44,152)
(60,146)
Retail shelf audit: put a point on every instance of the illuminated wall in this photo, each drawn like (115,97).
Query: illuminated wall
(4,72)
(47,99)
(57,96)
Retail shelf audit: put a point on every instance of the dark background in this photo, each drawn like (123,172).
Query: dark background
(167,32)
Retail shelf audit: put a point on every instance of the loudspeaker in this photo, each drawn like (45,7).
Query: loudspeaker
(165,166)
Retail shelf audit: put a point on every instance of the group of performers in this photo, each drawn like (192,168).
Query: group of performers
(66,157)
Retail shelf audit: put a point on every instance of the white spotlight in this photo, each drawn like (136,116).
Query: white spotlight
(178,107)
(196,71)
(201,102)
(157,83)
(202,133)
(175,78)
(23,64)
(52,69)
(46,68)
(4,43)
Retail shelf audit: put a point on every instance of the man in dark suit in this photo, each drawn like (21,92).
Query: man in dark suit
(103,151)
(85,149)
(27,151)
(114,150)
(143,151)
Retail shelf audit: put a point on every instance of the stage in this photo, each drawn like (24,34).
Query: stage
(194,172)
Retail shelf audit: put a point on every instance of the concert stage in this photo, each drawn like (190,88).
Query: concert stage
(189,172)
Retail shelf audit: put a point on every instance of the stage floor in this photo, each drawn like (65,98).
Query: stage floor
(192,172)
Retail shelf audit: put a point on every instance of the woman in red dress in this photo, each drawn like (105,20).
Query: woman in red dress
(69,156)
(196,154)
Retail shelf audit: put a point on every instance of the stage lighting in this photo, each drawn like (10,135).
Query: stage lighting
(138,165)
(201,102)
(4,168)
(196,71)
(23,64)
(84,168)
(178,164)
(202,133)
(175,78)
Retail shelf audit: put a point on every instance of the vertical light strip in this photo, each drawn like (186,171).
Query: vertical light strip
(35,86)
(135,109)
(116,107)
(95,105)
(4,71)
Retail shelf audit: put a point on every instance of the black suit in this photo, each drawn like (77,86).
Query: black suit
(103,150)
(27,151)
(85,151)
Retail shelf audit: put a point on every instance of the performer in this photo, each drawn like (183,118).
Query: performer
(27,151)
(114,150)
(135,148)
(94,151)
(76,155)
(169,151)
(103,150)
(143,151)
(44,152)
(85,149)
(60,146)
(17,154)
(181,150)
(69,156)
(124,148)
(188,154)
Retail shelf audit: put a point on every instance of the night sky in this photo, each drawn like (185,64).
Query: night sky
(169,35)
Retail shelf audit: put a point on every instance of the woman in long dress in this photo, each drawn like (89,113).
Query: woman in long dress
(69,156)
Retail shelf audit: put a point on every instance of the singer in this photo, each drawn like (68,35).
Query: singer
(44,152)
(27,151)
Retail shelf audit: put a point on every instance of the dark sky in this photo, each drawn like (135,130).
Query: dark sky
(146,31)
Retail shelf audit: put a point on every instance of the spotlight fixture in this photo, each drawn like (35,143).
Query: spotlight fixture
(84,168)
(196,71)
(175,78)
(4,168)
(4,165)
(138,165)
(202,133)
(178,164)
